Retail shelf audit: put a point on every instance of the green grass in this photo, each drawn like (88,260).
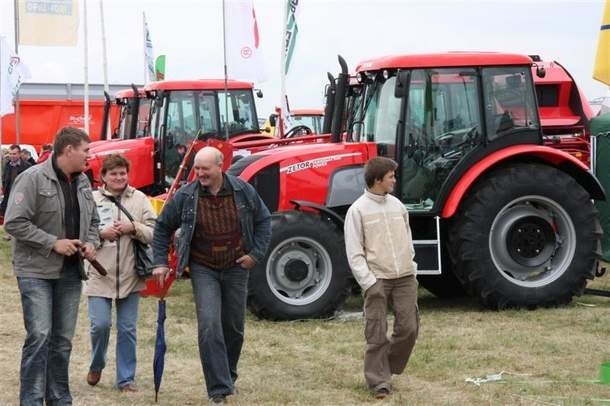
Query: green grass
(550,356)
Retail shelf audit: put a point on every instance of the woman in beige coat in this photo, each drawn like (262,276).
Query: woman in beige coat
(122,284)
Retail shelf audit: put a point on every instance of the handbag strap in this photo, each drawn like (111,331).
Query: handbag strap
(120,206)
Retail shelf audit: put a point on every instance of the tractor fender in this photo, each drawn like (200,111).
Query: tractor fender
(557,158)
(336,218)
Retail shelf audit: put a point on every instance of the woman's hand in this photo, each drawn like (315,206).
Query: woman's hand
(125,227)
(110,233)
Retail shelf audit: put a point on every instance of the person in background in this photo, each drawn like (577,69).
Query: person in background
(380,252)
(13,167)
(122,284)
(26,156)
(51,216)
(225,230)
(45,153)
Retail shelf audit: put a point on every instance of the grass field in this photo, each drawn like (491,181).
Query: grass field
(549,356)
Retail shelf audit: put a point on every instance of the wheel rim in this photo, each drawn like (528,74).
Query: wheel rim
(532,241)
(299,271)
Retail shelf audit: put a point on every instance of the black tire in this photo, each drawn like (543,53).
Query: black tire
(527,235)
(444,286)
(304,273)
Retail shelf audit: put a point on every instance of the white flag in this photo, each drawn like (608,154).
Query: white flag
(149,54)
(12,73)
(244,58)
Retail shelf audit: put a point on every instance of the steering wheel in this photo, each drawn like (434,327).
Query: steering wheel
(298,131)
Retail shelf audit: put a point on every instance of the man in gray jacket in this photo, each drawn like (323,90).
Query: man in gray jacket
(52,217)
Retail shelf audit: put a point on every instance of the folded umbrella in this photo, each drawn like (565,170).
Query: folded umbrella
(160,347)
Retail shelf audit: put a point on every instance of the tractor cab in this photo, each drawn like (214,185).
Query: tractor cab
(183,111)
(435,122)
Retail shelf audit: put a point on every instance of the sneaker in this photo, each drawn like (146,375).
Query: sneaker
(217,400)
(94,377)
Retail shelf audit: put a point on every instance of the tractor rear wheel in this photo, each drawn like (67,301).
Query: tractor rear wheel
(305,272)
(526,236)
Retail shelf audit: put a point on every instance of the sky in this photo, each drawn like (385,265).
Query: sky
(189,33)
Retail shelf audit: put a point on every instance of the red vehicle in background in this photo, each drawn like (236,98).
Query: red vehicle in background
(489,204)
(564,111)
(44,108)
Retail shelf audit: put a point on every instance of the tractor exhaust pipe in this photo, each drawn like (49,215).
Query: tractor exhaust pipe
(331,91)
(135,106)
(342,83)
(107,104)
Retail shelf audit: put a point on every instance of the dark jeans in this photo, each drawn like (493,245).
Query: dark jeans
(50,309)
(220,300)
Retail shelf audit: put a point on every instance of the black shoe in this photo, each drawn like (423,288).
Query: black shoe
(217,400)
(382,393)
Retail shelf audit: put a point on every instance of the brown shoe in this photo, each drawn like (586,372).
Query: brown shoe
(94,377)
(130,387)
(382,392)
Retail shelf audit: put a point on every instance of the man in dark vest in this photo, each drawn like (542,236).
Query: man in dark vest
(225,230)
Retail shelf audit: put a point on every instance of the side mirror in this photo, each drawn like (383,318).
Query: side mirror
(259,93)
(540,71)
(272,120)
(402,84)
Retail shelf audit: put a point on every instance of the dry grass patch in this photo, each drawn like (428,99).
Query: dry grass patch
(552,355)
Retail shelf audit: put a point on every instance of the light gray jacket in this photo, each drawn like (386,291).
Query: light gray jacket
(118,256)
(35,218)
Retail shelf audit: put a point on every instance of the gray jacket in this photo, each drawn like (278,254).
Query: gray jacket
(35,219)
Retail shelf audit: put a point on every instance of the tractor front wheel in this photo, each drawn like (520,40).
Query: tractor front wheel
(305,272)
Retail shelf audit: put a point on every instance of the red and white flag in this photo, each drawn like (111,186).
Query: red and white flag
(242,42)
(12,73)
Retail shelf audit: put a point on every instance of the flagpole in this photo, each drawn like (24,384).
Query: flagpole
(279,126)
(104,63)
(224,49)
(86,68)
(16,98)
(144,48)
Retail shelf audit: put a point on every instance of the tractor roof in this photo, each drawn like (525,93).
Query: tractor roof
(443,60)
(200,84)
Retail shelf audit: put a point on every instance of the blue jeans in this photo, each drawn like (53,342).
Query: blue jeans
(220,300)
(100,315)
(50,310)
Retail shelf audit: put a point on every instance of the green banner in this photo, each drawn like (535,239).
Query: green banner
(290,34)
(160,67)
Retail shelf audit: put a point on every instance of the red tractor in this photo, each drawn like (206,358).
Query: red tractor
(494,211)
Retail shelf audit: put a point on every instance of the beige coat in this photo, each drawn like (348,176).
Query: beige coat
(378,239)
(117,256)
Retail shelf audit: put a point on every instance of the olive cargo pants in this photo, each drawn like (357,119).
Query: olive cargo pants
(383,356)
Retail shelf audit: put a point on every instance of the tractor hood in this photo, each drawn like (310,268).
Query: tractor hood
(298,158)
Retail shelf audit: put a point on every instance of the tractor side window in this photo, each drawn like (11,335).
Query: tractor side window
(180,130)
(509,100)
(239,105)
(143,118)
(207,114)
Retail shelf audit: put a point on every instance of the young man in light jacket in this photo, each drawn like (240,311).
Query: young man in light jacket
(380,253)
